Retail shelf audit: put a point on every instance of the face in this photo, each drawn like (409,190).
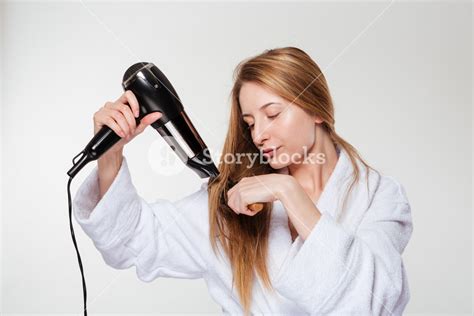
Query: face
(274,123)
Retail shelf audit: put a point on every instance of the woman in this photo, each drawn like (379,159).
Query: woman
(329,239)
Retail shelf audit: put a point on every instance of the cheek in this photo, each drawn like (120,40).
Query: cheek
(295,135)
(294,130)
(298,143)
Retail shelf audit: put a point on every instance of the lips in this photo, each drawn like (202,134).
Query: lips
(269,149)
(269,152)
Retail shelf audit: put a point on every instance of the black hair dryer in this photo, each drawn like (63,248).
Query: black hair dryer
(155,93)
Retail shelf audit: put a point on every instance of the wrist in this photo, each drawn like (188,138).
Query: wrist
(110,160)
(286,188)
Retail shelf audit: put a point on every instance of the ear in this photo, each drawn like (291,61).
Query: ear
(318,120)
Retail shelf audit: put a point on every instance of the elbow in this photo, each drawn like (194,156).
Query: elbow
(391,296)
(401,294)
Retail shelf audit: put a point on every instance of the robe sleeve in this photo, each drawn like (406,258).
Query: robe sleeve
(336,272)
(161,239)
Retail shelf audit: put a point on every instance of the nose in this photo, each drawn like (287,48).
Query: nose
(260,134)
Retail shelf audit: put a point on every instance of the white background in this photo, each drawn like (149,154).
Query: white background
(400,74)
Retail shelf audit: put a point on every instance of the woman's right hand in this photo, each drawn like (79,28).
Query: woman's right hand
(120,117)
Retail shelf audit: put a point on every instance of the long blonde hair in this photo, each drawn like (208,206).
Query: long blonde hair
(293,75)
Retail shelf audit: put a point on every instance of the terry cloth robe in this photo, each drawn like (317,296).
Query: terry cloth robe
(350,263)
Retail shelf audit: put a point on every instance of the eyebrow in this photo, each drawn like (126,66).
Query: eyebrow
(262,107)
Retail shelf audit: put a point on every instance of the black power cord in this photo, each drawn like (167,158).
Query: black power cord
(84,289)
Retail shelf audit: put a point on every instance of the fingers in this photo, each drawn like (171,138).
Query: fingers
(234,205)
(230,203)
(119,118)
(122,113)
(129,98)
(238,205)
(147,120)
(129,118)
(103,118)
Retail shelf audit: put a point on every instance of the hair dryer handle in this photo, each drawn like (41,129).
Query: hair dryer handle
(102,141)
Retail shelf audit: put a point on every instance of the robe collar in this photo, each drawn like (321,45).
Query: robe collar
(334,192)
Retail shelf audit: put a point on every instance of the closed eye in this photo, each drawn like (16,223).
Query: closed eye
(250,126)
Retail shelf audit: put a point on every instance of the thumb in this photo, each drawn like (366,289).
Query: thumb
(149,119)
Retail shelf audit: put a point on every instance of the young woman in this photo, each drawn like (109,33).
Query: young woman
(329,239)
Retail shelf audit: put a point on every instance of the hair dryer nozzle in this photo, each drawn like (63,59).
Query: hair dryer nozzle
(184,139)
(203,165)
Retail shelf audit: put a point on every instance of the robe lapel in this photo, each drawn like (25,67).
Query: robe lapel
(330,201)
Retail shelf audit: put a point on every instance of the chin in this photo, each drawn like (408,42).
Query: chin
(275,164)
(286,161)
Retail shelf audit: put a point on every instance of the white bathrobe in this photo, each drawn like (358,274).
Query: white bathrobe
(351,267)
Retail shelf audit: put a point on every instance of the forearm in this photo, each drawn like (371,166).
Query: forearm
(109,166)
(301,210)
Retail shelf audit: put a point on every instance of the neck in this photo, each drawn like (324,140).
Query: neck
(312,176)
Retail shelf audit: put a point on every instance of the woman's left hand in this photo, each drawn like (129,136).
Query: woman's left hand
(255,189)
